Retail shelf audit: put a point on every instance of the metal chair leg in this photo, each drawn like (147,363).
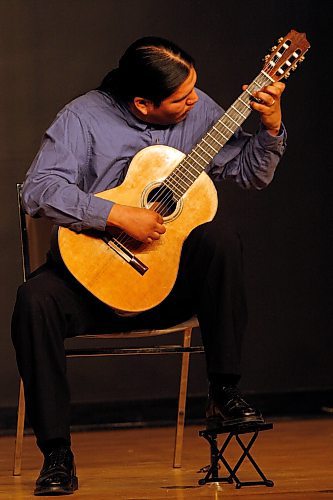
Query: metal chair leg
(19,432)
(177,459)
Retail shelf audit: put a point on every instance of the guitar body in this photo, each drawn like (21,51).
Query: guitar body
(104,272)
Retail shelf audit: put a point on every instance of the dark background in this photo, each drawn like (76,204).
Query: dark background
(52,51)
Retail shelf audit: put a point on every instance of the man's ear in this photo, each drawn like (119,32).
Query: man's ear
(142,105)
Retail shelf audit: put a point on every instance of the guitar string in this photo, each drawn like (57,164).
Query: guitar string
(181,170)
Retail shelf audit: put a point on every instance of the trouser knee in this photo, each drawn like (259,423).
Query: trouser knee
(218,240)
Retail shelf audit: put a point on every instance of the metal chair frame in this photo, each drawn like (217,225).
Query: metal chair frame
(185,349)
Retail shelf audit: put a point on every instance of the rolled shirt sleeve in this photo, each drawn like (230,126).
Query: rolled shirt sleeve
(250,160)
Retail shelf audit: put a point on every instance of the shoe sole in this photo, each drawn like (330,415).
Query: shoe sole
(215,424)
(57,490)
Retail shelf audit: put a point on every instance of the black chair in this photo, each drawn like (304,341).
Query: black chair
(31,258)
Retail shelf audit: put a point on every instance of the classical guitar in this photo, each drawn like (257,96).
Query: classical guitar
(131,276)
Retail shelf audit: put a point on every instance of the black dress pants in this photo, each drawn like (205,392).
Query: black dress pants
(52,306)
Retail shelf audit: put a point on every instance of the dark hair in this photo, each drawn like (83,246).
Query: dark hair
(151,67)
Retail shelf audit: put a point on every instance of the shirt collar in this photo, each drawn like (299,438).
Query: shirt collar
(131,119)
(125,113)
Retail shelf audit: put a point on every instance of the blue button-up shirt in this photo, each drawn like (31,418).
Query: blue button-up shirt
(89,146)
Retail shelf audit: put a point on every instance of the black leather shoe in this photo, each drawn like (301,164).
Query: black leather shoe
(227,407)
(58,475)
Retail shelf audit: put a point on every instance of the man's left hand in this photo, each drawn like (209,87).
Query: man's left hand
(269,106)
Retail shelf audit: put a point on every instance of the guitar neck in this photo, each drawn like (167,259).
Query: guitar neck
(284,57)
(189,169)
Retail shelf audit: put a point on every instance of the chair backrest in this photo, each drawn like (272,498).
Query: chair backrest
(35,238)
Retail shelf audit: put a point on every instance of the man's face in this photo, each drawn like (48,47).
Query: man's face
(174,108)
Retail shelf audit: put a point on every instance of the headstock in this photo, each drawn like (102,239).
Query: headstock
(286,55)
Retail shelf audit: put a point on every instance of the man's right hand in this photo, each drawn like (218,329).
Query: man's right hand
(141,223)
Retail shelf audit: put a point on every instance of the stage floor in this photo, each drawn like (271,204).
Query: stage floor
(136,464)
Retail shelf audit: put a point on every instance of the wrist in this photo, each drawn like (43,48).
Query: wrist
(114,216)
(274,131)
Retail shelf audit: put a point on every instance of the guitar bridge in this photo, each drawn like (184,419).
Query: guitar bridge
(125,254)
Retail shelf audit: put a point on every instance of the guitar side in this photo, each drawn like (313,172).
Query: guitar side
(107,275)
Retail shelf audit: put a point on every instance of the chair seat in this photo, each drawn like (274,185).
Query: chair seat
(190,323)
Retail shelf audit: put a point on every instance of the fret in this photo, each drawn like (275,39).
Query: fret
(270,79)
(215,150)
(196,152)
(176,195)
(262,82)
(185,181)
(221,133)
(234,121)
(204,150)
(258,84)
(177,177)
(195,161)
(184,171)
(243,102)
(214,139)
(228,128)
(173,187)
(192,167)
(238,111)
(265,77)
(179,172)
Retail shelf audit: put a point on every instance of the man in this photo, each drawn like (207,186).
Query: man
(149,99)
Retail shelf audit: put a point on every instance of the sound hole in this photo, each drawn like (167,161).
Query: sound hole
(161,200)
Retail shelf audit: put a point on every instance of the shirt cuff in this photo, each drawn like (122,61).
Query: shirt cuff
(272,142)
(97,213)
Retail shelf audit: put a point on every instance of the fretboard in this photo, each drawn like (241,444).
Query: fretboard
(189,169)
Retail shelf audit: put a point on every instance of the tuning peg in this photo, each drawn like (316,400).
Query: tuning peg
(274,48)
(301,59)
(280,39)
(287,75)
(294,67)
(266,58)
